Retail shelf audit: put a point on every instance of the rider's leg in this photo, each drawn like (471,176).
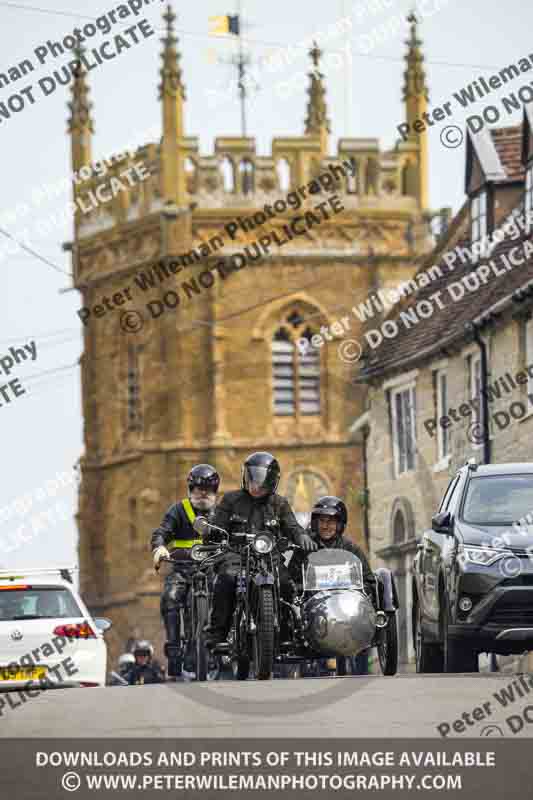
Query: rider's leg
(223,603)
(172,599)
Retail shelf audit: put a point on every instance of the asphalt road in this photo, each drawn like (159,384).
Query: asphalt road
(374,706)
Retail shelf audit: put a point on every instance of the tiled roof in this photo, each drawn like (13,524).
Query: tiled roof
(447,324)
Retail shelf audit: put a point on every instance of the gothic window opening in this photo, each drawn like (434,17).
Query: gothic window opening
(398,528)
(295,370)
(134,390)
(246,169)
(351,180)
(228,174)
(283,169)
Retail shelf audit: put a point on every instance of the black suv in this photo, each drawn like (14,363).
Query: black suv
(473,572)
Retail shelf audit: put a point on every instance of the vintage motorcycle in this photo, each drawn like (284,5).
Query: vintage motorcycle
(333,617)
(256,619)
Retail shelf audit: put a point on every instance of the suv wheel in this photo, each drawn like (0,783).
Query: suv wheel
(429,657)
(458,656)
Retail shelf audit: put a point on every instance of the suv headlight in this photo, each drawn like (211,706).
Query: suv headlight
(484,556)
(263,544)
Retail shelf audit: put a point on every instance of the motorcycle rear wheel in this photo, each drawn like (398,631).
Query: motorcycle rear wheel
(264,635)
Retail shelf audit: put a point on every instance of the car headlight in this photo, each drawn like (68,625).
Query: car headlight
(263,544)
(484,555)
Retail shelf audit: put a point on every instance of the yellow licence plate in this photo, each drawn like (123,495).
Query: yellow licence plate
(22,673)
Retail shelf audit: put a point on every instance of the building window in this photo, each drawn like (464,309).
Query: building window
(295,371)
(478,231)
(351,180)
(529,353)
(475,394)
(528,197)
(246,169)
(134,390)
(228,174)
(283,374)
(398,528)
(283,169)
(404,428)
(443,434)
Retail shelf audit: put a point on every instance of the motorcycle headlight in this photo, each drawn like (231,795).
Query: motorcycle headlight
(483,555)
(263,544)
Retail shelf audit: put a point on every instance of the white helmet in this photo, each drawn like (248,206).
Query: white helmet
(126,660)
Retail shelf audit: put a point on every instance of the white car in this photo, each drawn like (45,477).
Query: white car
(48,638)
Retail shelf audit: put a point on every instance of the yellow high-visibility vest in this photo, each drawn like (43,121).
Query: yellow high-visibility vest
(191,516)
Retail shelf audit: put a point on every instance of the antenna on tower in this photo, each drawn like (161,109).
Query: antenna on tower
(232,24)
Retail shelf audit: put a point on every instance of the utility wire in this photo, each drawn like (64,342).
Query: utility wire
(36,254)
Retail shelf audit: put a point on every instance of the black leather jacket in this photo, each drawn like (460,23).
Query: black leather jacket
(256,512)
(176,527)
(149,673)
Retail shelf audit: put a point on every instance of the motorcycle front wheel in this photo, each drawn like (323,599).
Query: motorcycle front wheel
(202,655)
(264,634)
(388,646)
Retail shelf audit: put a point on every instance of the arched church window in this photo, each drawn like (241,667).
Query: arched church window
(246,169)
(228,174)
(283,168)
(295,370)
(351,180)
(398,528)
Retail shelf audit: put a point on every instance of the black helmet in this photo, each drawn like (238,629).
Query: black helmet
(204,476)
(143,648)
(263,470)
(329,506)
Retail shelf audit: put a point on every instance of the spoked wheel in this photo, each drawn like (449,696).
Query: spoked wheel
(429,657)
(240,662)
(388,646)
(264,635)
(202,654)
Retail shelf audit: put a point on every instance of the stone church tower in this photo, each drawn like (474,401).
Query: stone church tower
(220,374)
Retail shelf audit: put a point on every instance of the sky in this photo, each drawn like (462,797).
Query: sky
(41,431)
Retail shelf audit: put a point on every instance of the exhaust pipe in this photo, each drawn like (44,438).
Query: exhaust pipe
(381,619)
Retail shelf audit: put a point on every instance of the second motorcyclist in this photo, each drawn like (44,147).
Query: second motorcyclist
(145,669)
(176,536)
(254,507)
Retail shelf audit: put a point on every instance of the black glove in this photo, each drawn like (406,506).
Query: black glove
(306,543)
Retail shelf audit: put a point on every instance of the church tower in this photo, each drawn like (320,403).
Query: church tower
(229,357)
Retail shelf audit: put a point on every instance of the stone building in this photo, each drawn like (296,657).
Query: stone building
(216,371)
(425,417)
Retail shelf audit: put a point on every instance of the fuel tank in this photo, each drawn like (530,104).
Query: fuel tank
(339,621)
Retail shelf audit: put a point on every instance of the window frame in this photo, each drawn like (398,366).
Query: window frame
(399,390)
(295,333)
(528,197)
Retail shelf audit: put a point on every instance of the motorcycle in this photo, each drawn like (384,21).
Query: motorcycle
(333,617)
(256,619)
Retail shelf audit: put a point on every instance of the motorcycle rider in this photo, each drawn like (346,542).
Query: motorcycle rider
(176,536)
(144,670)
(329,517)
(256,506)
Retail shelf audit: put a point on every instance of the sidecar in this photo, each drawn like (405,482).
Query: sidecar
(337,616)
